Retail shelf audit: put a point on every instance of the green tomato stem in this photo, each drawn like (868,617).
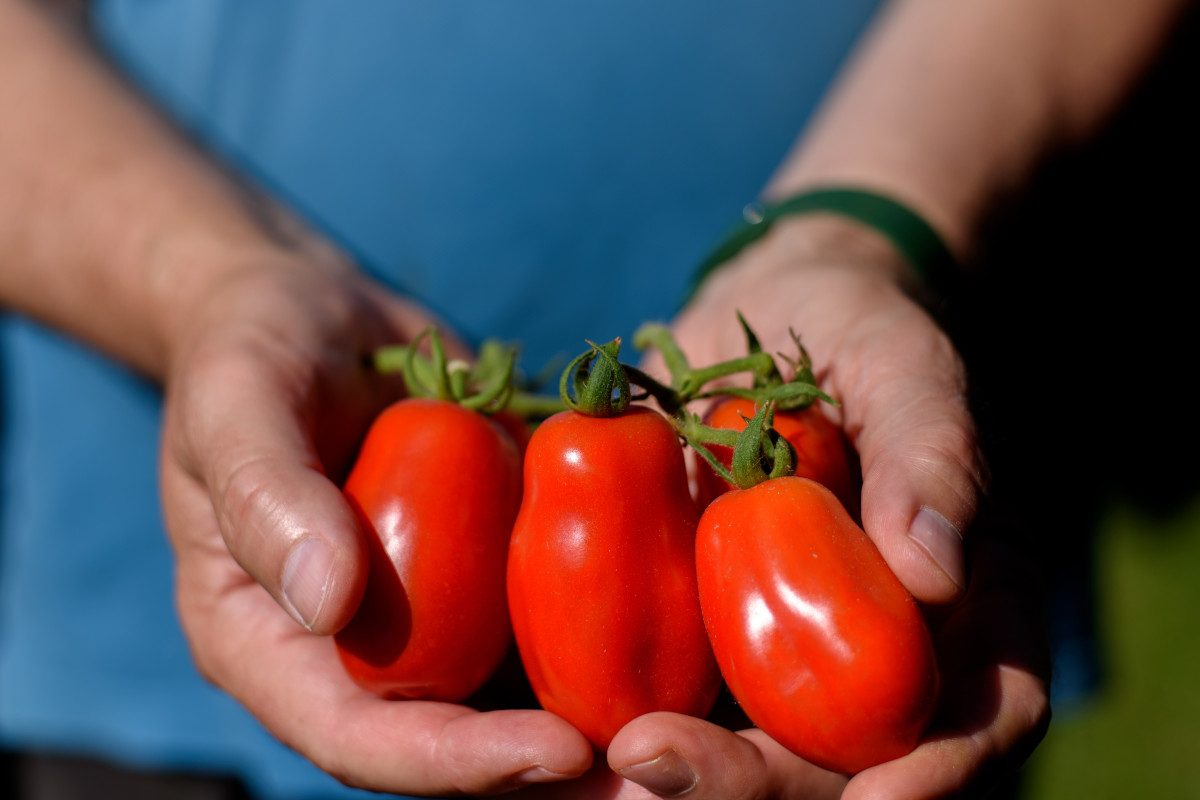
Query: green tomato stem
(758,364)
(787,396)
(714,463)
(441,377)
(389,359)
(760,446)
(457,371)
(485,386)
(658,336)
(696,433)
(759,452)
(534,406)
(753,346)
(688,382)
(595,382)
(668,399)
(497,392)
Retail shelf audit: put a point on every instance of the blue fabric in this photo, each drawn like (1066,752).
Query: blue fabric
(539,171)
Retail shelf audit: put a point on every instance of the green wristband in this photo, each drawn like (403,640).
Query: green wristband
(913,237)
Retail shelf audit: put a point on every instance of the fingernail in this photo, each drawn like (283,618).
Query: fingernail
(305,579)
(669,775)
(942,541)
(538,775)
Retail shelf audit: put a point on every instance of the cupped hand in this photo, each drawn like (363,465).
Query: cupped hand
(993,712)
(266,399)
(900,387)
(897,378)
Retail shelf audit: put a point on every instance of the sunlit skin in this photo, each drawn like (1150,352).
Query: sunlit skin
(819,641)
(256,342)
(602,580)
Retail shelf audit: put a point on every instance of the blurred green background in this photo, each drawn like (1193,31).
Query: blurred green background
(1080,335)
(1139,735)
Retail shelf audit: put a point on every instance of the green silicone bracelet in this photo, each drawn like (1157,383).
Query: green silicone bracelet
(912,236)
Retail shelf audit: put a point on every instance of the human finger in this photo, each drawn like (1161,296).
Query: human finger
(280,516)
(266,403)
(900,388)
(296,686)
(674,755)
(904,405)
(995,703)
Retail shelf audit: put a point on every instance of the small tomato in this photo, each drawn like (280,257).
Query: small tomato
(818,640)
(602,574)
(822,452)
(438,487)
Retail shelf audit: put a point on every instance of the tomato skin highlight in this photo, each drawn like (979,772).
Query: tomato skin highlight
(822,453)
(820,643)
(438,486)
(602,578)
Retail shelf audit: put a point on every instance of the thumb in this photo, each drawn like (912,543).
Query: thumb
(249,447)
(922,470)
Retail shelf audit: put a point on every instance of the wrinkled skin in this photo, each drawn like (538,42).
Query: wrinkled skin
(266,405)
(267,399)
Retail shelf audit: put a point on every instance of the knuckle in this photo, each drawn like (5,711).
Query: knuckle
(246,506)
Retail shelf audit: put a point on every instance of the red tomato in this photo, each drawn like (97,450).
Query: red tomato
(818,640)
(821,450)
(602,574)
(516,426)
(439,486)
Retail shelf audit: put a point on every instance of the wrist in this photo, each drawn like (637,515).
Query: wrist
(841,242)
(844,227)
(824,253)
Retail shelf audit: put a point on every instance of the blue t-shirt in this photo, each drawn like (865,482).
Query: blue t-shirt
(541,172)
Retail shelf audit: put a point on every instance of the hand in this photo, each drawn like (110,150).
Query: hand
(896,376)
(900,385)
(993,712)
(266,400)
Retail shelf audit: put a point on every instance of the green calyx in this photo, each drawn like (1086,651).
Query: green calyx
(760,453)
(687,382)
(488,384)
(596,383)
(767,383)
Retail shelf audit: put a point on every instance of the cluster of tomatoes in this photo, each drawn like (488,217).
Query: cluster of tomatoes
(627,589)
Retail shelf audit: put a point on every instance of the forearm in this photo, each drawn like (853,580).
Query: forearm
(950,105)
(111,226)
